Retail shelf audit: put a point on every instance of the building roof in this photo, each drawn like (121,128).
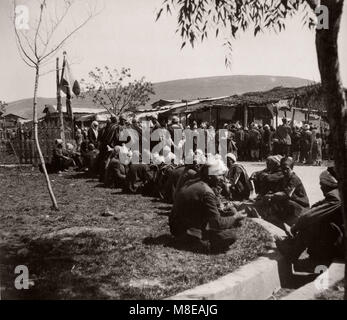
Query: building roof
(9,115)
(49,108)
(277,98)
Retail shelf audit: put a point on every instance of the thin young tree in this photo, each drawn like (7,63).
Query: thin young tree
(38,40)
(197,19)
(115,90)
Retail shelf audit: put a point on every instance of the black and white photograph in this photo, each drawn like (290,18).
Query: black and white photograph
(173,153)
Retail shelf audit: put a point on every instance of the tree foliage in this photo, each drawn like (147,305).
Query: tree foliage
(115,91)
(198,19)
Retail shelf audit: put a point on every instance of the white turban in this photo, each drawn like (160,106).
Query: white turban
(231,156)
(216,167)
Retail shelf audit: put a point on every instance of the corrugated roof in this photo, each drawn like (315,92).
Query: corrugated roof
(53,108)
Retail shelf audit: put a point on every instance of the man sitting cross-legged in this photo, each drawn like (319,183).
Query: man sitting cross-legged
(287,203)
(240,185)
(319,229)
(195,219)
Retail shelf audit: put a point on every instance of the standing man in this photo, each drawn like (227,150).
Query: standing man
(254,142)
(284,141)
(93,133)
(266,142)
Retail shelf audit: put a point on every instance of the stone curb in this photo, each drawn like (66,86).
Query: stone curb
(258,280)
(329,278)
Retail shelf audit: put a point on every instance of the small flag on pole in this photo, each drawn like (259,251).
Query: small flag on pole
(69,85)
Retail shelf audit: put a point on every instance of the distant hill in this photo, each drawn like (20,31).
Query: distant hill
(179,89)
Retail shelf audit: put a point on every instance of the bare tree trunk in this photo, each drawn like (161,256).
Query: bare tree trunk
(36,135)
(334,96)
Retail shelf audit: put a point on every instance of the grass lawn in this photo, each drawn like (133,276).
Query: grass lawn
(129,260)
(334,293)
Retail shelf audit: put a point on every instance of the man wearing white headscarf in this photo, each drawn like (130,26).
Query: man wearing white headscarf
(93,133)
(240,185)
(319,229)
(195,219)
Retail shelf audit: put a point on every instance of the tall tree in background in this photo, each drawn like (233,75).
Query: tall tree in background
(115,91)
(198,18)
(38,40)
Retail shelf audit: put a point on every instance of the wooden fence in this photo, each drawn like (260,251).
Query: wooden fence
(19,145)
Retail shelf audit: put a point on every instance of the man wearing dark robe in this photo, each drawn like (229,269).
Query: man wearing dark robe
(240,185)
(195,219)
(320,229)
(289,202)
(107,140)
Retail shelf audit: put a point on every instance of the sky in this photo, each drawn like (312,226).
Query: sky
(125,34)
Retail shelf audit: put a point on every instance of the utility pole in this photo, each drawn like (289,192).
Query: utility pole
(59,106)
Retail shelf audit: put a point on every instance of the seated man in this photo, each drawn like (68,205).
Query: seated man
(90,159)
(268,179)
(115,175)
(286,204)
(138,175)
(195,220)
(240,185)
(74,155)
(60,160)
(319,229)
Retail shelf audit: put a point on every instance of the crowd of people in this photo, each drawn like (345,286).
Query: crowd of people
(211,194)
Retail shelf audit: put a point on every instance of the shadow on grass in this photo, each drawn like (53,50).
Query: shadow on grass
(51,265)
(187,245)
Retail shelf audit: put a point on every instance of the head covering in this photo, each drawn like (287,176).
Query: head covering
(199,157)
(216,167)
(328,180)
(175,119)
(166,150)
(58,142)
(274,159)
(231,156)
(170,157)
(69,146)
(289,161)
(156,158)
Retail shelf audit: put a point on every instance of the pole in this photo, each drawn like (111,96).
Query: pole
(293,116)
(68,99)
(59,107)
(245,116)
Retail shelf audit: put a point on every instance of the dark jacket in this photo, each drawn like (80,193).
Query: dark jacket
(327,210)
(240,185)
(295,190)
(195,210)
(92,137)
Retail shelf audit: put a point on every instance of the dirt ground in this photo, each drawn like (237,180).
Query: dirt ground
(125,258)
